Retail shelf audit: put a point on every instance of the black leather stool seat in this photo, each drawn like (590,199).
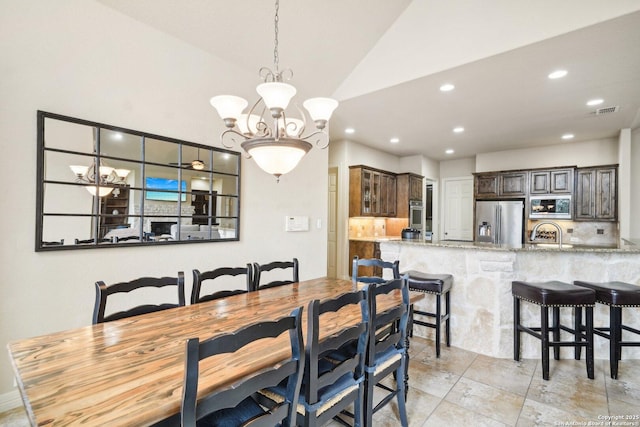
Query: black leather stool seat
(429,283)
(553,294)
(614,293)
(438,285)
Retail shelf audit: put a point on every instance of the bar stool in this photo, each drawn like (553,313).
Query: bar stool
(616,295)
(555,294)
(438,285)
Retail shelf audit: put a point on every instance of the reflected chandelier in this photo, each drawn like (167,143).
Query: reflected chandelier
(106,176)
(279,147)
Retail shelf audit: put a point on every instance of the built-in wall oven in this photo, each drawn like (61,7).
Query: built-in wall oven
(550,206)
(416,218)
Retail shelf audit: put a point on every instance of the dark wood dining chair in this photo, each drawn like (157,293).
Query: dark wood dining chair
(331,386)
(103,292)
(235,405)
(378,266)
(216,276)
(259,269)
(387,349)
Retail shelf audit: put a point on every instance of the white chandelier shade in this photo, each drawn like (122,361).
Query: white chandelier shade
(276,95)
(277,159)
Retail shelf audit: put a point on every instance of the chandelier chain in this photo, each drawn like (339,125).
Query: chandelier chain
(276,58)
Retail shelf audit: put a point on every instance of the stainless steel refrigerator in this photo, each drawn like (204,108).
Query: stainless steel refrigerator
(500,222)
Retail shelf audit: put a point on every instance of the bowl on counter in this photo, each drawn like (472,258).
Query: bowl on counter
(410,234)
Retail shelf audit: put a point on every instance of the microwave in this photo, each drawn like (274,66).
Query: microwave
(550,206)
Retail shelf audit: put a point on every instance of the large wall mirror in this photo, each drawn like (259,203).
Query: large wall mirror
(103,186)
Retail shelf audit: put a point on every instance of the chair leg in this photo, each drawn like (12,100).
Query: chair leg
(447,330)
(401,396)
(410,324)
(438,322)
(544,332)
(614,338)
(516,329)
(619,332)
(358,407)
(368,402)
(589,331)
(556,331)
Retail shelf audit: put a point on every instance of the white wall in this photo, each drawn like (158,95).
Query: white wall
(82,59)
(634,202)
(588,153)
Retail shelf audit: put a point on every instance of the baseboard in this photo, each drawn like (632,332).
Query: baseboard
(10,400)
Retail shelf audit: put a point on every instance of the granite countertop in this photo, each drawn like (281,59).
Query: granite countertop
(625,246)
(376,238)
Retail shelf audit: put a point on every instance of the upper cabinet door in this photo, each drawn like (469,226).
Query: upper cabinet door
(596,194)
(513,184)
(554,181)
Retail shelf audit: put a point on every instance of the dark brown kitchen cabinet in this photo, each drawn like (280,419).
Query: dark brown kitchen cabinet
(551,181)
(596,194)
(364,249)
(409,187)
(500,184)
(372,192)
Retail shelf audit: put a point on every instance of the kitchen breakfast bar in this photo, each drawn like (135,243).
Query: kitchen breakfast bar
(481,300)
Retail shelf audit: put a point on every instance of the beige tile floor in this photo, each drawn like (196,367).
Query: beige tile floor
(468,389)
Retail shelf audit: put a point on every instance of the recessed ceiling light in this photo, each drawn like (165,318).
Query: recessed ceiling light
(447,87)
(593,102)
(558,74)
(349,130)
(568,136)
(394,140)
(458,129)
(449,151)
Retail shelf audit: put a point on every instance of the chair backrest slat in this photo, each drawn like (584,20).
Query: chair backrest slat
(258,269)
(392,322)
(231,395)
(218,275)
(103,292)
(377,264)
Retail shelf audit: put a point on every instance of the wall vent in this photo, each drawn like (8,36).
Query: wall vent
(606,110)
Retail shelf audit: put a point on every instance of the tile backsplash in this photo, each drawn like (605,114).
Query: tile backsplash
(376,227)
(580,233)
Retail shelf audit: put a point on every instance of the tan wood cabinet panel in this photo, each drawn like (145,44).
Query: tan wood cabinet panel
(364,249)
(372,192)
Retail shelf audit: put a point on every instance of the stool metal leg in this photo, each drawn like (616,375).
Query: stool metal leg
(516,329)
(447,302)
(438,318)
(589,331)
(556,331)
(577,327)
(615,333)
(544,331)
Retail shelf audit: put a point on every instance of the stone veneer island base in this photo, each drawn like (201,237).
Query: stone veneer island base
(481,300)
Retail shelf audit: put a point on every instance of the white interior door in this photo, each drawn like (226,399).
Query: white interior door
(332,231)
(458,209)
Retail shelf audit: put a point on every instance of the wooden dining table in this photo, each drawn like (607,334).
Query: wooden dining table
(129,372)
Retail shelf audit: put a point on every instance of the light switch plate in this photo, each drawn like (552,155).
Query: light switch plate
(296,223)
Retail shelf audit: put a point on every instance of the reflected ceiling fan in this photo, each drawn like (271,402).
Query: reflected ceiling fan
(196,164)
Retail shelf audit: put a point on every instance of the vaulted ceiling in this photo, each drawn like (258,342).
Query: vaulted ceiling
(386,60)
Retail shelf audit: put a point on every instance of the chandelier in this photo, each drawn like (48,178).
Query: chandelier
(106,176)
(266,132)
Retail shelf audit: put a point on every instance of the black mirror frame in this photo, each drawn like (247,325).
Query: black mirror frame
(41,246)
